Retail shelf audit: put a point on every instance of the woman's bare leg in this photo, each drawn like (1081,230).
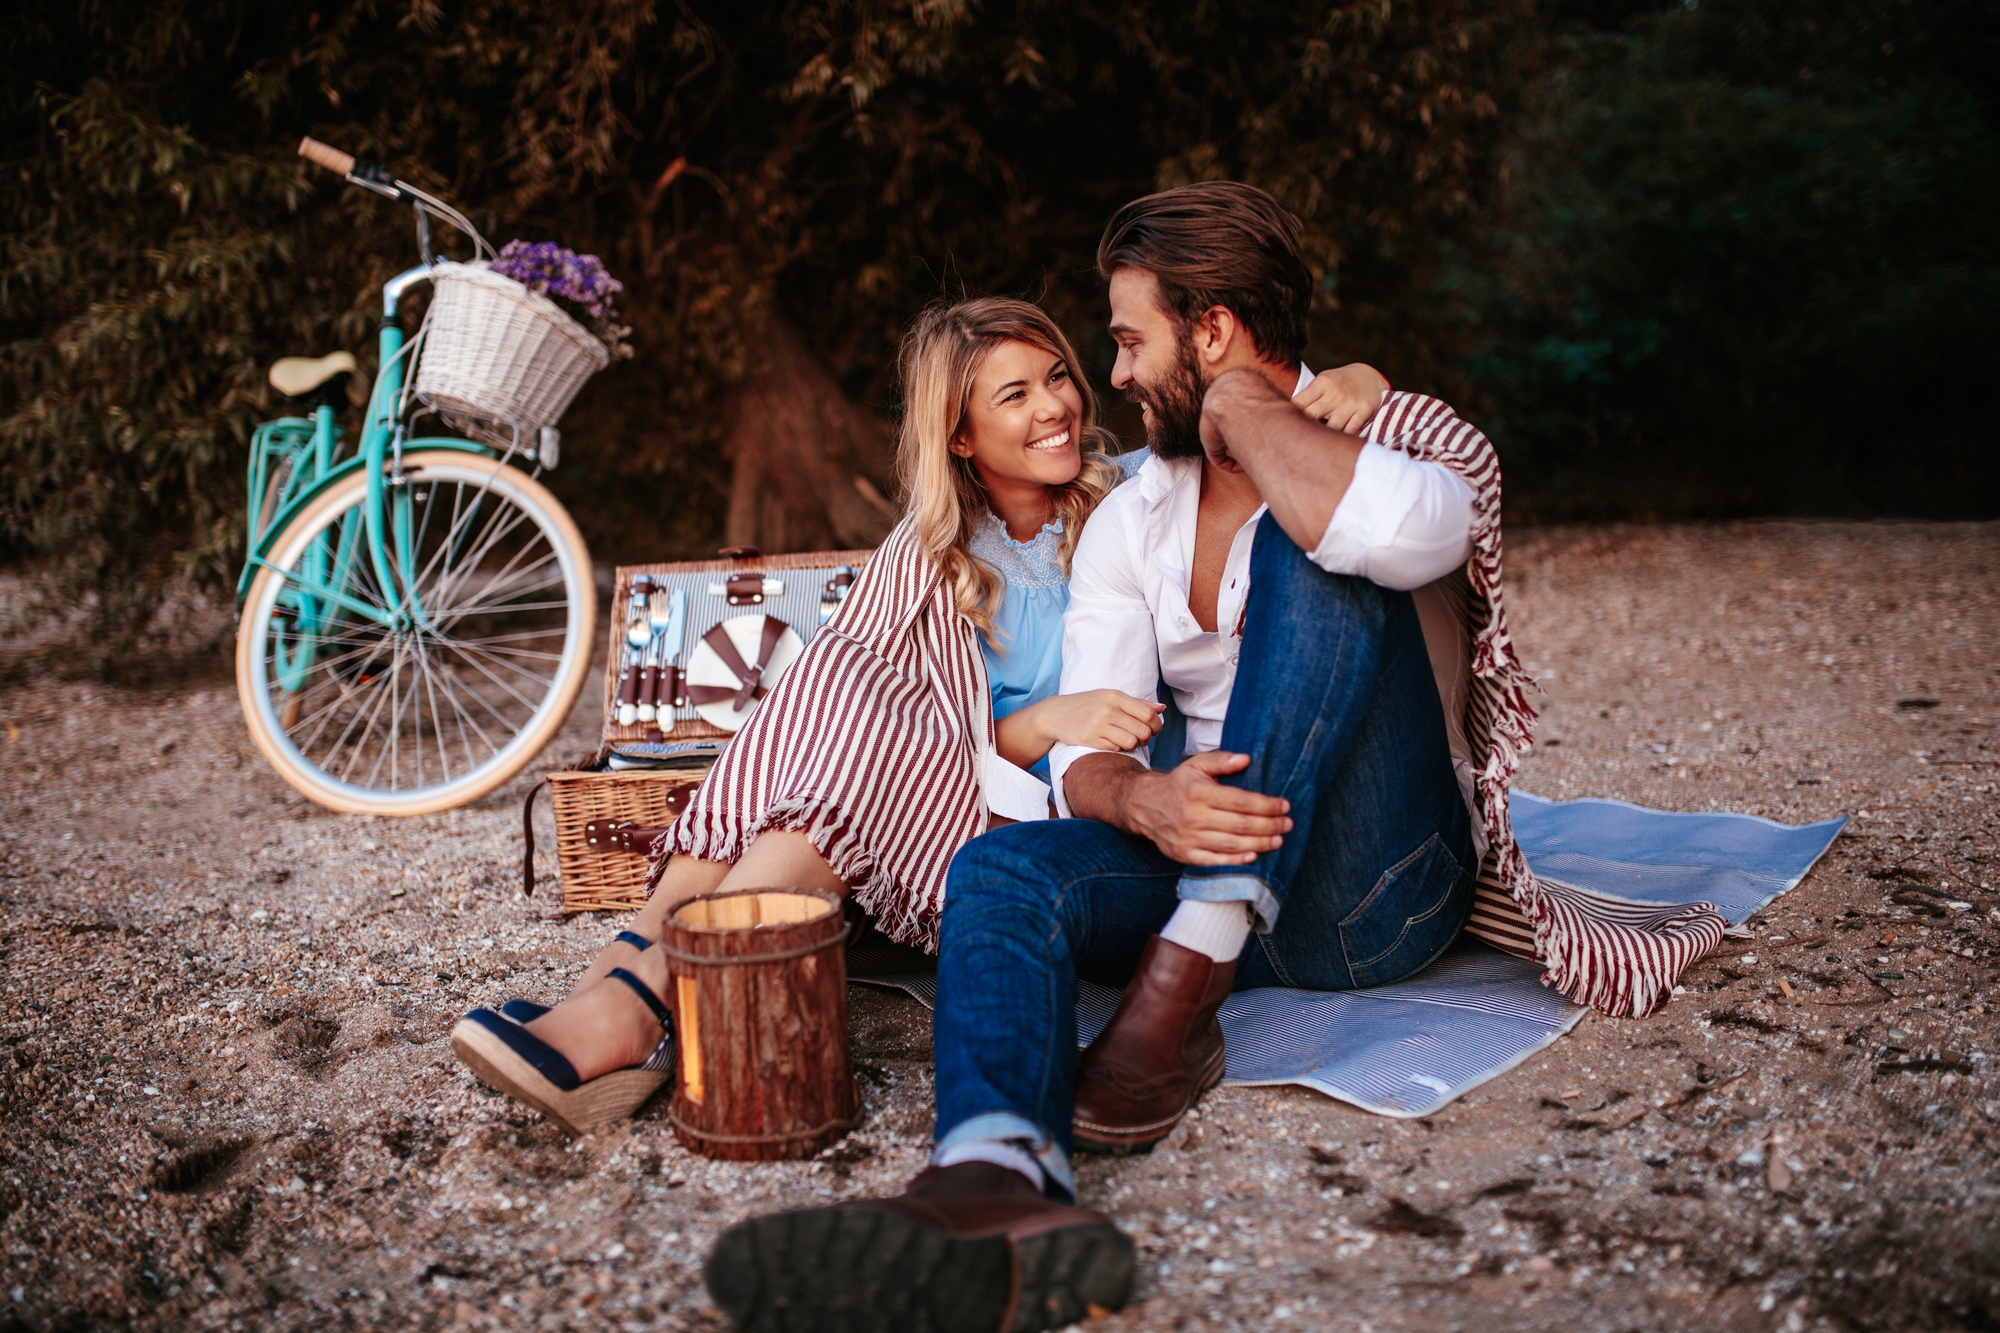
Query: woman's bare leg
(608,1027)
(781,860)
(685,878)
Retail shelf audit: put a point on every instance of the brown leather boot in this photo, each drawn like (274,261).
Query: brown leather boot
(1162,1050)
(972,1248)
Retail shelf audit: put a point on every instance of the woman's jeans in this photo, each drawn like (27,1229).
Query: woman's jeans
(1336,705)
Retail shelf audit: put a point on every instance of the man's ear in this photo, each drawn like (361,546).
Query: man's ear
(1215,332)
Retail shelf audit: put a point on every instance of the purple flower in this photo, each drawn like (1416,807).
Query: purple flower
(577,282)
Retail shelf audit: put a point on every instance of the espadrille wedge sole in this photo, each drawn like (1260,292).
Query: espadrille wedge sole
(513,1060)
(601,1100)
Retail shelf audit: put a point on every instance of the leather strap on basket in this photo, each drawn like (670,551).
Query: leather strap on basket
(619,835)
(528,840)
(750,678)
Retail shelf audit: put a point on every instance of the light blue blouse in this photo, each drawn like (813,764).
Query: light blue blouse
(1027,666)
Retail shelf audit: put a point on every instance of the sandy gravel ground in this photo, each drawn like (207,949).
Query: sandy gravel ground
(226,1101)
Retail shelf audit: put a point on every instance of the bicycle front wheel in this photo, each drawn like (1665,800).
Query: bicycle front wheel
(420,673)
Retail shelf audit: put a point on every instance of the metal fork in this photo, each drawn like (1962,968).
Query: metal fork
(659,614)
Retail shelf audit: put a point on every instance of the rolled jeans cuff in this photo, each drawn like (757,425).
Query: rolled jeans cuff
(1006,1127)
(1264,904)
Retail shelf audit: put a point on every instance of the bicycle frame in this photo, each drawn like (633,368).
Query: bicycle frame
(314,592)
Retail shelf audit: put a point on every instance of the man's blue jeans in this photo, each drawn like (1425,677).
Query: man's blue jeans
(1336,705)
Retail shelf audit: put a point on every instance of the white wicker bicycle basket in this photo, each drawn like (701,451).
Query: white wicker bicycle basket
(497,356)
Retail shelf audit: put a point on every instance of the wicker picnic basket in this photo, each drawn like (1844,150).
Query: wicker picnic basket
(499,360)
(596,815)
(605,818)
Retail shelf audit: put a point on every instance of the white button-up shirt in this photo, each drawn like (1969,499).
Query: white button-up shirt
(1402,524)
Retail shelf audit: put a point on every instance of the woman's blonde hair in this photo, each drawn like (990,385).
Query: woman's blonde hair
(941,355)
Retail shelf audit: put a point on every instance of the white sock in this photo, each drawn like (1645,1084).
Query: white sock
(999,1152)
(1216,929)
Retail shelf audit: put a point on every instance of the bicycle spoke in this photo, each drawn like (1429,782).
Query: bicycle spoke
(497,715)
(411,703)
(499,658)
(487,540)
(443,621)
(508,637)
(437,726)
(354,756)
(501,581)
(464,720)
(392,751)
(477,665)
(510,652)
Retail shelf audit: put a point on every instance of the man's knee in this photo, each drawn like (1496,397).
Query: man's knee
(1280,570)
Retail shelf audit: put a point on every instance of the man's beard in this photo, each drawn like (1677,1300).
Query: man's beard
(1173,425)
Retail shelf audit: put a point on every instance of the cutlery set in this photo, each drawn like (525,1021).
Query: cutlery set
(651,683)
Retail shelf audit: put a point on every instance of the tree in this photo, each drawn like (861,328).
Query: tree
(780,187)
(1748,263)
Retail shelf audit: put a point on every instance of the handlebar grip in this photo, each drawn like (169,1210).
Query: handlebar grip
(326,155)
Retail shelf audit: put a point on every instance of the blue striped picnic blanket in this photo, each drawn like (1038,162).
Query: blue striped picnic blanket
(1409,1049)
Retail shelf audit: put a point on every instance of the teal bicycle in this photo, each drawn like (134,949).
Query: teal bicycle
(417,613)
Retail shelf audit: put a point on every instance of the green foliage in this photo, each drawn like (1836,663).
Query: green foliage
(827,164)
(1750,264)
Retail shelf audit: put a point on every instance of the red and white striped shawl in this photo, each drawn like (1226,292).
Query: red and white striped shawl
(872,745)
(1620,957)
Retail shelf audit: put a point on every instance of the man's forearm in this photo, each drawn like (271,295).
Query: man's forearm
(1098,786)
(1187,813)
(1301,467)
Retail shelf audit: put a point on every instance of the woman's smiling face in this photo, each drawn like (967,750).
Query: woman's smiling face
(1023,421)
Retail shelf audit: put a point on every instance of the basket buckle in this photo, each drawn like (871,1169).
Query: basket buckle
(619,835)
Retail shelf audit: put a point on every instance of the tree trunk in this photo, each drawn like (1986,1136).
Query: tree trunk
(811,468)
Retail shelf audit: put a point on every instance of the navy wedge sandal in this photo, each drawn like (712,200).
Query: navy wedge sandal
(513,1060)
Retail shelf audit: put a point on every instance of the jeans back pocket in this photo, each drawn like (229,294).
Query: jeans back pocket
(1407,919)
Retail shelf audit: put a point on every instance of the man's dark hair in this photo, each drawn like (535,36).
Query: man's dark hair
(1219,243)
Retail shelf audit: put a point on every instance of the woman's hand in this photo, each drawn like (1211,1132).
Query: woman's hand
(1100,719)
(1346,398)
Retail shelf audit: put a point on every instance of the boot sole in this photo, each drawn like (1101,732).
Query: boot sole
(613,1096)
(1133,1140)
(855,1270)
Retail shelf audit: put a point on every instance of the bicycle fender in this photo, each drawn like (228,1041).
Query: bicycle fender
(283,519)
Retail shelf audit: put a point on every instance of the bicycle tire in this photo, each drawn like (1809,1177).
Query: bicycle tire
(344,678)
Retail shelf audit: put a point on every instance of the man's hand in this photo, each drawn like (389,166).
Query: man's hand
(1233,395)
(1300,467)
(1186,813)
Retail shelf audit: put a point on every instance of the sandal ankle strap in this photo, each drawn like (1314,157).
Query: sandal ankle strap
(645,992)
(633,938)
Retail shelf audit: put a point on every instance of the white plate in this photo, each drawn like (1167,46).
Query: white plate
(705,667)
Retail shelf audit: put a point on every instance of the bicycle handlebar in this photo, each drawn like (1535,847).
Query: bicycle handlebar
(326,155)
(371,176)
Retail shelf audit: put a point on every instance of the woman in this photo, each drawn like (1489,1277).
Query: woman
(914,718)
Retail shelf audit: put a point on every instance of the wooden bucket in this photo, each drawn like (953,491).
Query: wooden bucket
(759,994)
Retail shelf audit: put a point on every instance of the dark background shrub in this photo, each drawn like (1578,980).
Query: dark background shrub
(1681,261)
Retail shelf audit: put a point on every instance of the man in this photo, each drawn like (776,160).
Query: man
(1314,786)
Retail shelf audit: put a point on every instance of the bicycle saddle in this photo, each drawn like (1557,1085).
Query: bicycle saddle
(297,376)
